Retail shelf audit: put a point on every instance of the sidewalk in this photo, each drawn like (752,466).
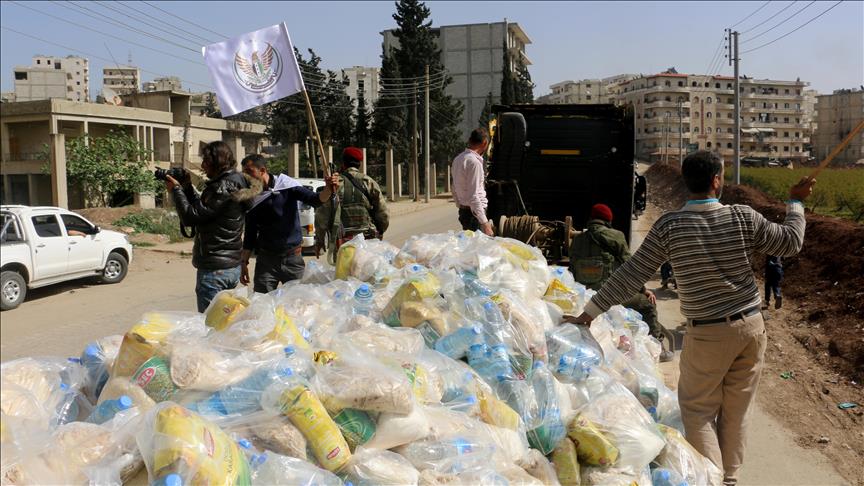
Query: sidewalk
(396,209)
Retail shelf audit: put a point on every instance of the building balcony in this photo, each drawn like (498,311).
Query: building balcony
(773,96)
(666,104)
(724,136)
(725,106)
(24,157)
(671,120)
(667,89)
(724,121)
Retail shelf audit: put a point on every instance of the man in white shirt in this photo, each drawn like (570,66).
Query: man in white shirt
(469,185)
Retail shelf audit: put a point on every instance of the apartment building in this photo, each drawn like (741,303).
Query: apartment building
(473,55)
(120,80)
(836,115)
(45,76)
(697,112)
(362,79)
(586,91)
(170,83)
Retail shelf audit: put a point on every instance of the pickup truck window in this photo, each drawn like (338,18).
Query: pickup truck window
(74,223)
(10,231)
(47,226)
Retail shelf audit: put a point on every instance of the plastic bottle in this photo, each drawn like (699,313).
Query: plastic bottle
(473,286)
(456,383)
(479,360)
(520,397)
(172,479)
(461,452)
(68,409)
(466,404)
(494,324)
(551,427)
(271,468)
(363,300)
(666,477)
(499,361)
(93,360)
(416,272)
(456,344)
(243,397)
(298,362)
(106,410)
(574,366)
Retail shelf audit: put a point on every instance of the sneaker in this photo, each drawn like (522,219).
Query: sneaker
(666,356)
(778,302)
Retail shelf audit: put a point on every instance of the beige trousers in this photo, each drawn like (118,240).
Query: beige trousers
(720,367)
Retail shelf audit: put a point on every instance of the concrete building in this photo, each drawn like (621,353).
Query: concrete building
(586,91)
(160,121)
(170,83)
(836,115)
(774,118)
(53,77)
(120,80)
(198,102)
(7,97)
(364,80)
(473,55)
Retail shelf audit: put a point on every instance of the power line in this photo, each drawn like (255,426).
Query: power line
(770,18)
(196,24)
(779,23)
(137,19)
(104,33)
(752,14)
(794,30)
(180,29)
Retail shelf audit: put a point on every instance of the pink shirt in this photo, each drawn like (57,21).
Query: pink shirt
(468,184)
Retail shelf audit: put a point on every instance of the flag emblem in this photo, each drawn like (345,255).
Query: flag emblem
(259,72)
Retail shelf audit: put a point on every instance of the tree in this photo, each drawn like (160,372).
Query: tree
(361,122)
(508,90)
(104,166)
(389,116)
(486,114)
(523,86)
(210,108)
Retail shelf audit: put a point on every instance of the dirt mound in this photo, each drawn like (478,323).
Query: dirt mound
(105,217)
(824,283)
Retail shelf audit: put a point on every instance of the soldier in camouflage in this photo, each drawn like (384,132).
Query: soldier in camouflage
(360,208)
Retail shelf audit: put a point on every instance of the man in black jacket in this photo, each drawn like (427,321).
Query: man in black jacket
(218,221)
(273,225)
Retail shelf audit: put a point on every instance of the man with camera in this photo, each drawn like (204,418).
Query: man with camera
(273,225)
(217,219)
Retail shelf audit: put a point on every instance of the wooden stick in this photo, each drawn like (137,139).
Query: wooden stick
(325,164)
(836,151)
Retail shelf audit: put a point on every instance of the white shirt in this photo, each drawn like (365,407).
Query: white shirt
(468,184)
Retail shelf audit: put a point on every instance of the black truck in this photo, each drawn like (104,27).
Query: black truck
(550,163)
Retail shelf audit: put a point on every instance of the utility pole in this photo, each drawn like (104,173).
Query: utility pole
(666,138)
(680,134)
(426,139)
(733,58)
(416,181)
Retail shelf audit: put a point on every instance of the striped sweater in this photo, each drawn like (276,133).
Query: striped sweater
(709,246)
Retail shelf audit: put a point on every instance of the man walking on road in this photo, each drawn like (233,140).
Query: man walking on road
(273,225)
(597,252)
(361,207)
(773,278)
(709,244)
(469,184)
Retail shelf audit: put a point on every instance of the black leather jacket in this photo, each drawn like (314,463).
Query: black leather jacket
(217,218)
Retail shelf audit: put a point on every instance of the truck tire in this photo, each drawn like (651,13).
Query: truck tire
(509,153)
(115,269)
(13,290)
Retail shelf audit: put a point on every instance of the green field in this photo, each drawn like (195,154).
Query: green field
(838,192)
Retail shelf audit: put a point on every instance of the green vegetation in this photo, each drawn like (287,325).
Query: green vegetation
(155,221)
(838,192)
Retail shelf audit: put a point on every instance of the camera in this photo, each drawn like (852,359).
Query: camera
(176,172)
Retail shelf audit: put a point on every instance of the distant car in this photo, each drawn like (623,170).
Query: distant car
(307,214)
(47,245)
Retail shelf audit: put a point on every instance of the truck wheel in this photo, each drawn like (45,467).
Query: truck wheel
(509,147)
(13,289)
(115,269)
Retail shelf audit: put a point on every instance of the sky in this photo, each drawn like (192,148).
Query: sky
(570,40)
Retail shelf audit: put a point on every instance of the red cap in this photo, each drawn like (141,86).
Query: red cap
(353,153)
(601,211)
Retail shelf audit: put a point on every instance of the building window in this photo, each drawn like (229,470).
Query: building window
(729,145)
(797,134)
(697,114)
(57,65)
(797,120)
(696,99)
(708,144)
(587,85)
(709,100)
(785,134)
(587,97)
(695,129)
(729,115)
(786,119)
(708,115)
(693,84)
(728,85)
(681,83)
(797,149)
(752,90)
(785,148)
(729,130)
(798,92)
(785,105)
(78,83)
(786,91)
(38,61)
(20,76)
(717,85)
(708,130)
(49,61)
(667,83)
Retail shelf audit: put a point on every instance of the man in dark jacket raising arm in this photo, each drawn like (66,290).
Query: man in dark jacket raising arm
(217,219)
(709,246)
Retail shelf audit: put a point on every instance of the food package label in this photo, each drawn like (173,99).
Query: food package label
(308,414)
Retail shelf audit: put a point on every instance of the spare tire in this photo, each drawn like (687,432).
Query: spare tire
(509,148)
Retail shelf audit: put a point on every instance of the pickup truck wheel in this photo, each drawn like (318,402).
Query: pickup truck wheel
(13,289)
(115,269)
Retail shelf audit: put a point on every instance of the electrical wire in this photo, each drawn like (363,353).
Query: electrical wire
(794,30)
(196,24)
(138,19)
(770,18)
(779,23)
(180,29)
(752,14)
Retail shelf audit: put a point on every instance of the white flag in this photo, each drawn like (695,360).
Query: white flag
(253,69)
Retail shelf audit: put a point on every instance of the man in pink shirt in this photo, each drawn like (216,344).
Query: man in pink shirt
(469,189)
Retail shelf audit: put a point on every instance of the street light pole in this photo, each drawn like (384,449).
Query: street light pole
(680,134)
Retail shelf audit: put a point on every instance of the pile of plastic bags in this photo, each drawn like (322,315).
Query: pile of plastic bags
(442,363)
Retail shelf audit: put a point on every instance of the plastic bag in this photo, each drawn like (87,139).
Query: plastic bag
(370,467)
(540,468)
(423,286)
(270,469)
(566,462)
(43,393)
(206,368)
(150,337)
(394,430)
(318,273)
(174,440)
(368,261)
(268,430)
(685,462)
(225,307)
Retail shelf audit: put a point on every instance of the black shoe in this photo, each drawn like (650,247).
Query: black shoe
(778,302)
(666,356)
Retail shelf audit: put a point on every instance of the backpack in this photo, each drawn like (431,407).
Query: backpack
(591,262)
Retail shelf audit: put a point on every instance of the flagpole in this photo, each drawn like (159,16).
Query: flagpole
(325,164)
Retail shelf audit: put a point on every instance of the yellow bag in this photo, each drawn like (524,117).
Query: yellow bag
(592,445)
(141,343)
(344,259)
(566,462)
(560,295)
(413,291)
(307,413)
(224,309)
(286,331)
(200,452)
(496,412)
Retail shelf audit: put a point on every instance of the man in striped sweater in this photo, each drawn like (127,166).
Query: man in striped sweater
(709,245)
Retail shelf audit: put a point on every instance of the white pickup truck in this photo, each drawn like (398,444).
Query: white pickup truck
(46,245)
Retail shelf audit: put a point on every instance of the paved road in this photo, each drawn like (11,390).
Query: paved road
(60,320)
